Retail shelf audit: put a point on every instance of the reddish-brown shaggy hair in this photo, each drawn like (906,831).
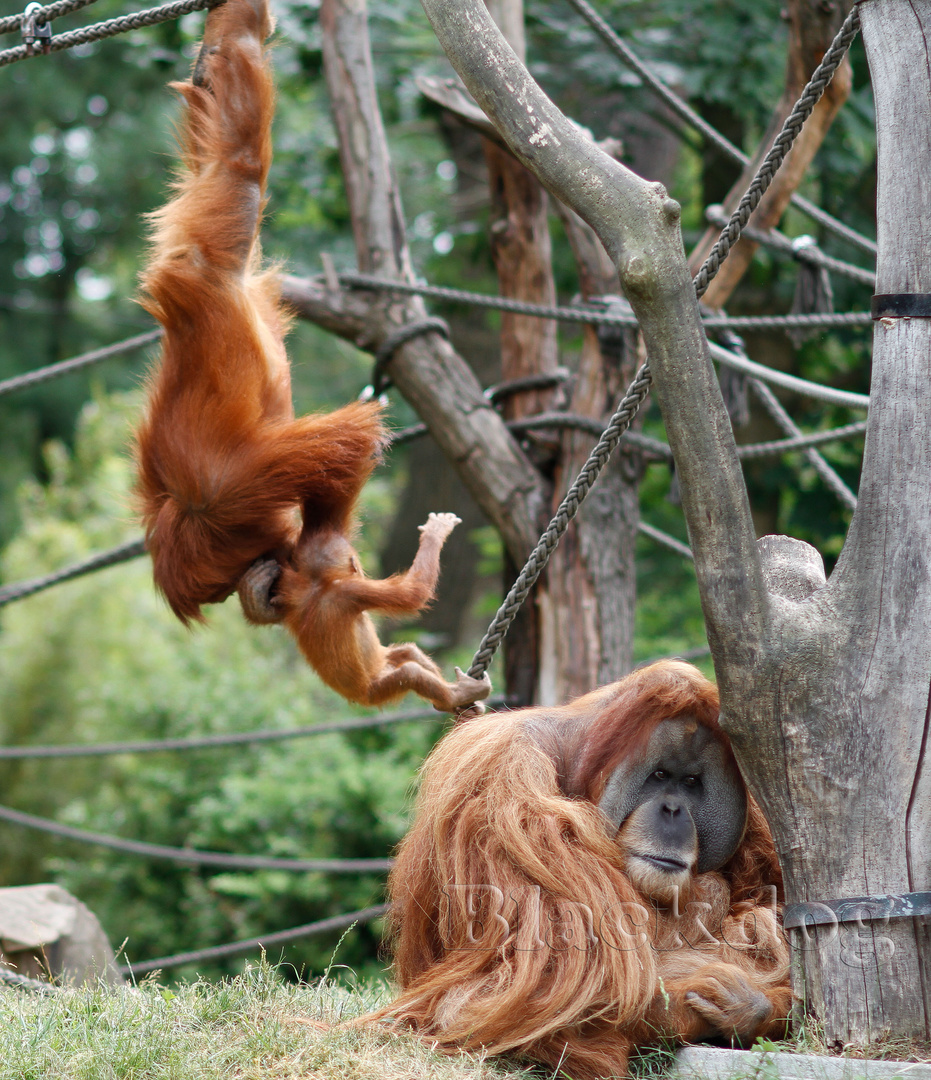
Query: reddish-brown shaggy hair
(234,492)
(547,958)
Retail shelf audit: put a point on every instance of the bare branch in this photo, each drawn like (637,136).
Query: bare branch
(427,370)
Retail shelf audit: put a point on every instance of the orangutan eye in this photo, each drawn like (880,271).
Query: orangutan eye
(690,781)
(661,774)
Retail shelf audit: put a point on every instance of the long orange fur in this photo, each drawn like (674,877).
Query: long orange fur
(228,478)
(551,963)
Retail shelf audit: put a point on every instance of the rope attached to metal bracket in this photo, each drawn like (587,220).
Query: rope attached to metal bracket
(37,37)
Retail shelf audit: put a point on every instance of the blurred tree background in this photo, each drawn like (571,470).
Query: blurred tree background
(86,151)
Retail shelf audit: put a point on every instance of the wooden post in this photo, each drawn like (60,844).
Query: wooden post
(825,688)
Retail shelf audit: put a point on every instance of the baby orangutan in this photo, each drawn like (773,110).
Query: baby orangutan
(226,472)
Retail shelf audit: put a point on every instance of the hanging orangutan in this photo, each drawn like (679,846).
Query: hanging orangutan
(234,491)
(585,879)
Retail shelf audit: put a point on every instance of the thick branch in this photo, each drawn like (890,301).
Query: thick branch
(427,370)
(639,226)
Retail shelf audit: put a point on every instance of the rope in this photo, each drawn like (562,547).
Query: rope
(598,316)
(23,982)
(65,367)
(624,52)
(191,857)
(213,742)
(110,28)
(324,926)
(123,553)
(687,654)
(800,442)
(544,381)
(809,252)
(782,145)
(566,511)
(666,540)
(834,483)
(43,15)
(385,354)
(846,398)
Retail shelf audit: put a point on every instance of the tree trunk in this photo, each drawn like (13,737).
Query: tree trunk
(432,376)
(825,688)
(600,597)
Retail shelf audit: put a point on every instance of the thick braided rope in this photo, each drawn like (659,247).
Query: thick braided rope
(101,30)
(595,316)
(682,109)
(45,14)
(782,145)
(567,510)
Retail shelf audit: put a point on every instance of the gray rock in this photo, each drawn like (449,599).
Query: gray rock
(45,931)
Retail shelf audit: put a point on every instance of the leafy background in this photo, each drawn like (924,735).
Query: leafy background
(85,152)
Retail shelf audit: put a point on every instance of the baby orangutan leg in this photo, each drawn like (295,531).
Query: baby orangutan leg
(409,668)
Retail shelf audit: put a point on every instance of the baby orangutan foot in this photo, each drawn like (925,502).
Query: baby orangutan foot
(467,694)
(256,589)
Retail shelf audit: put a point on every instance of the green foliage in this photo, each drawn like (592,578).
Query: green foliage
(103,659)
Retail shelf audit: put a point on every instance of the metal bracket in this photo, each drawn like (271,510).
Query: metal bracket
(857,909)
(908,305)
(36,36)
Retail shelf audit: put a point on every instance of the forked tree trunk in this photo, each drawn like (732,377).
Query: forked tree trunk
(825,688)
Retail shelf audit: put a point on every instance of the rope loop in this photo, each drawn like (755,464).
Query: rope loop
(380,382)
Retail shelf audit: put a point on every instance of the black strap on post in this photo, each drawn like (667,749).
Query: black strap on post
(906,305)
(857,909)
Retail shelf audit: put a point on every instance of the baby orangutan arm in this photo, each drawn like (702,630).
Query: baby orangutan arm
(324,598)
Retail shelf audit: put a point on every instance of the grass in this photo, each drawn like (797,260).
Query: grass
(254,1026)
(257,1026)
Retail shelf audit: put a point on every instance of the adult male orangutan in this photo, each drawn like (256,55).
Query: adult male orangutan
(584,879)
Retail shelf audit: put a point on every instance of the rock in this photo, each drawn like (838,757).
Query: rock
(46,932)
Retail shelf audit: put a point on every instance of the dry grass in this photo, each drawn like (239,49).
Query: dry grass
(252,1027)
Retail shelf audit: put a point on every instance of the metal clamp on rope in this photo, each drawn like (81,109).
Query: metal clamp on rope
(803,243)
(859,909)
(37,37)
(909,305)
